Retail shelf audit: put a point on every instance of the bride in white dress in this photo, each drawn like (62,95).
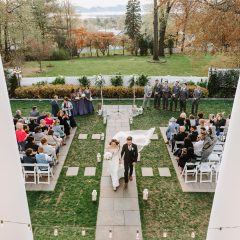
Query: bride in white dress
(115,163)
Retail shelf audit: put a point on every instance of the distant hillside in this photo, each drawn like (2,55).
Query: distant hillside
(117,8)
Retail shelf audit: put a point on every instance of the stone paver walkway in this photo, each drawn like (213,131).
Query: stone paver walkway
(118,211)
(72,171)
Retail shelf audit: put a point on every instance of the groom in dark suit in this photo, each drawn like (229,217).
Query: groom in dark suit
(130,153)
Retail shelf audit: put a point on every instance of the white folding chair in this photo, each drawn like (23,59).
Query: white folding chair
(214,158)
(29,169)
(216,169)
(190,169)
(205,168)
(44,170)
(176,145)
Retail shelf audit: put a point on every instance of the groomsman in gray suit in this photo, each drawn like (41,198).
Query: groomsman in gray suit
(147,95)
(166,92)
(183,96)
(175,96)
(157,91)
(197,95)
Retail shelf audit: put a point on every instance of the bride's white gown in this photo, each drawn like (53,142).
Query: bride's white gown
(115,167)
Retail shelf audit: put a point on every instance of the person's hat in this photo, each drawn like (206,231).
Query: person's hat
(173,119)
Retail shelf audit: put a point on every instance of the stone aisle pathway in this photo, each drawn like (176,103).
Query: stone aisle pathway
(118,211)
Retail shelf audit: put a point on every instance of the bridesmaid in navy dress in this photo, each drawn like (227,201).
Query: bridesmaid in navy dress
(88,100)
(82,108)
(74,101)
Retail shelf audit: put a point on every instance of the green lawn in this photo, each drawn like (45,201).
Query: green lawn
(69,207)
(178,64)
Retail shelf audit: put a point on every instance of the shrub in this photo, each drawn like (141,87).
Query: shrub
(117,80)
(40,83)
(48,91)
(142,80)
(191,83)
(59,80)
(60,54)
(223,83)
(202,84)
(84,81)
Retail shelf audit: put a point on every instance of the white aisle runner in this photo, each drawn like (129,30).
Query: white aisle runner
(118,211)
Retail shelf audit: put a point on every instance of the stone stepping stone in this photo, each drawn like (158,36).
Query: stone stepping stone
(164,172)
(82,136)
(154,137)
(90,171)
(72,171)
(96,136)
(147,172)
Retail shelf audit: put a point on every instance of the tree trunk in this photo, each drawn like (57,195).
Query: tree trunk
(155,27)
(91,49)
(183,41)
(6,43)
(40,65)
(162,30)
(123,46)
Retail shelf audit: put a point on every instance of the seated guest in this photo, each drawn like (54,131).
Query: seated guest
(21,136)
(15,120)
(26,129)
(211,119)
(18,114)
(172,129)
(201,124)
(32,124)
(43,158)
(186,156)
(200,116)
(38,134)
(186,145)
(220,123)
(43,125)
(193,133)
(48,149)
(198,146)
(63,118)
(208,145)
(31,144)
(42,116)
(187,125)
(53,140)
(180,136)
(58,132)
(181,119)
(48,119)
(192,120)
(29,158)
(34,112)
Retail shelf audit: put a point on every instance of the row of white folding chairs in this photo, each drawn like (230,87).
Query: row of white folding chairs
(37,171)
(205,168)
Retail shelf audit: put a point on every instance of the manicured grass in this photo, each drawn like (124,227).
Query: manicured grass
(69,207)
(178,64)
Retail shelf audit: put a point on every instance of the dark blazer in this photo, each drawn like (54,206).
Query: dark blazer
(55,108)
(29,159)
(130,156)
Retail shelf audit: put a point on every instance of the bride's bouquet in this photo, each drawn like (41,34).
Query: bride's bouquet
(108,156)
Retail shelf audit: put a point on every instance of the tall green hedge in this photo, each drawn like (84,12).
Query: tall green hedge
(223,84)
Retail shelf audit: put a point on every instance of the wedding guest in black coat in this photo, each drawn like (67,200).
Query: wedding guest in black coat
(183,96)
(130,155)
(55,106)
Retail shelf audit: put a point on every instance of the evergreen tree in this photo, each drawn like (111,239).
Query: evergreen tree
(133,22)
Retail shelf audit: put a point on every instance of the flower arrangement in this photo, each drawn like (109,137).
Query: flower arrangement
(108,156)
(100,82)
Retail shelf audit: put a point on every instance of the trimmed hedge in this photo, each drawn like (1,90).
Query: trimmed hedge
(48,91)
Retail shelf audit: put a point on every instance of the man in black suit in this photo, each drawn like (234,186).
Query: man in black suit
(130,154)
(157,91)
(55,106)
